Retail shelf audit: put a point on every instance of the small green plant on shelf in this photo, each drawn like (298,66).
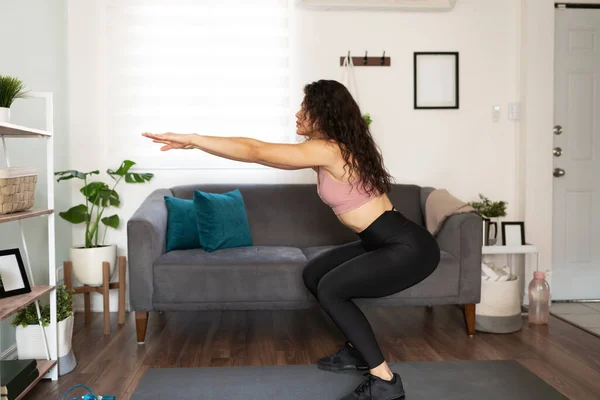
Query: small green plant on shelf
(64,309)
(11,88)
(490,209)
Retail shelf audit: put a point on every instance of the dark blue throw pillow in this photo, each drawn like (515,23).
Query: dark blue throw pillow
(221,220)
(182,230)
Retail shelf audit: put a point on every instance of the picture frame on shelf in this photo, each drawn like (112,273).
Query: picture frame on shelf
(436,80)
(513,233)
(13,278)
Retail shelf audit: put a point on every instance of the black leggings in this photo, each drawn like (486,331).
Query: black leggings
(393,254)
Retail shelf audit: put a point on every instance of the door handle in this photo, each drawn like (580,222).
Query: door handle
(557,152)
(559,172)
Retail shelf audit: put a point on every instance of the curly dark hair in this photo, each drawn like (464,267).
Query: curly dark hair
(335,113)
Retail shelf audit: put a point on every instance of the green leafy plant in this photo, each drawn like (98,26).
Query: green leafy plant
(98,197)
(11,88)
(367,118)
(487,208)
(64,309)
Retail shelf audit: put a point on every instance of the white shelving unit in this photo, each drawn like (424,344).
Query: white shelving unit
(48,367)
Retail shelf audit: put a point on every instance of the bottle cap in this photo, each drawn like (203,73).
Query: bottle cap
(539,275)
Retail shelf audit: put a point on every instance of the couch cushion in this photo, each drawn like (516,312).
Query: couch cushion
(252,273)
(442,283)
(312,252)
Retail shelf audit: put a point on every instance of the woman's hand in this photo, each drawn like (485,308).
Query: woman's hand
(171,140)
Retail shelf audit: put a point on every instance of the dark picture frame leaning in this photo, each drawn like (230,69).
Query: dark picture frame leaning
(513,238)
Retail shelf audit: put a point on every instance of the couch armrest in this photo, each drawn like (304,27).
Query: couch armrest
(461,236)
(146,241)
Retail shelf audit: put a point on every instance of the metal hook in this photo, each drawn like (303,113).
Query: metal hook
(348,55)
(383,58)
(365,61)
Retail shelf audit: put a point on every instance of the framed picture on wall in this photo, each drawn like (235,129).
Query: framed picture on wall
(13,279)
(513,233)
(436,80)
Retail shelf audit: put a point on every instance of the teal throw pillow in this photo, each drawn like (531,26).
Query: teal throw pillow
(222,220)
(182,230)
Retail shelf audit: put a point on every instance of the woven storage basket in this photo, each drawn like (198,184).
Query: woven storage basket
(17,189)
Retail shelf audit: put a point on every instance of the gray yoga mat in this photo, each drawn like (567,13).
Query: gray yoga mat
(448,380)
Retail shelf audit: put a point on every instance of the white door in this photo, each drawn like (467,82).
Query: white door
(576,230)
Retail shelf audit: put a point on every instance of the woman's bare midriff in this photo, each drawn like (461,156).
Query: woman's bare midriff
(359,219)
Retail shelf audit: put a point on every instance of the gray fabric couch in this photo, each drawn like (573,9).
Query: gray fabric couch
(289,225)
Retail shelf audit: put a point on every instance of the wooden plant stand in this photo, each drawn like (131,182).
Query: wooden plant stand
(103,290)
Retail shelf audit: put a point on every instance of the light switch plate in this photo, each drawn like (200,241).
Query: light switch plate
(514,111)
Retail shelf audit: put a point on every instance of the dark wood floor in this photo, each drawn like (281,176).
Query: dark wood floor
(564,356)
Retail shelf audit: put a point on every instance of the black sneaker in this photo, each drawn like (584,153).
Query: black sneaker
(348,358)
(374,388)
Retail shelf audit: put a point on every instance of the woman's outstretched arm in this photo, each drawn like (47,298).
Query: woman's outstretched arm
(278,155)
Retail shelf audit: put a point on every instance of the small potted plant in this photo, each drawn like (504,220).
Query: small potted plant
(11,88)
(87,258)
(30,342)
(489,209)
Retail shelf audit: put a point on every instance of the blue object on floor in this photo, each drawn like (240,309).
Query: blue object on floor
(88,396)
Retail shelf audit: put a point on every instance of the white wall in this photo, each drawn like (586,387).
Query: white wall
(446,148)
(461,150)
(34,50)
(535,181)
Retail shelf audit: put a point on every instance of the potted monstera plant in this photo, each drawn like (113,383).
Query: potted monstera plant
(87,258)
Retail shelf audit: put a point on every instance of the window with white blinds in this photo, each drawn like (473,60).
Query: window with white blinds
(213,67)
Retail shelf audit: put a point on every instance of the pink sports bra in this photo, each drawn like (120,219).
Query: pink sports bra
(340,196)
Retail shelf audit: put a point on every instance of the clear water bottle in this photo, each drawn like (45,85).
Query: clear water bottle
(539,299)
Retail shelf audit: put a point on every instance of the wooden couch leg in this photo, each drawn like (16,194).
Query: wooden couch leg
(470,318)
(141,323)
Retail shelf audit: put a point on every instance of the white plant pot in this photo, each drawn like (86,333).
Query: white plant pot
(4,114)
(87,263)
(30,344)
